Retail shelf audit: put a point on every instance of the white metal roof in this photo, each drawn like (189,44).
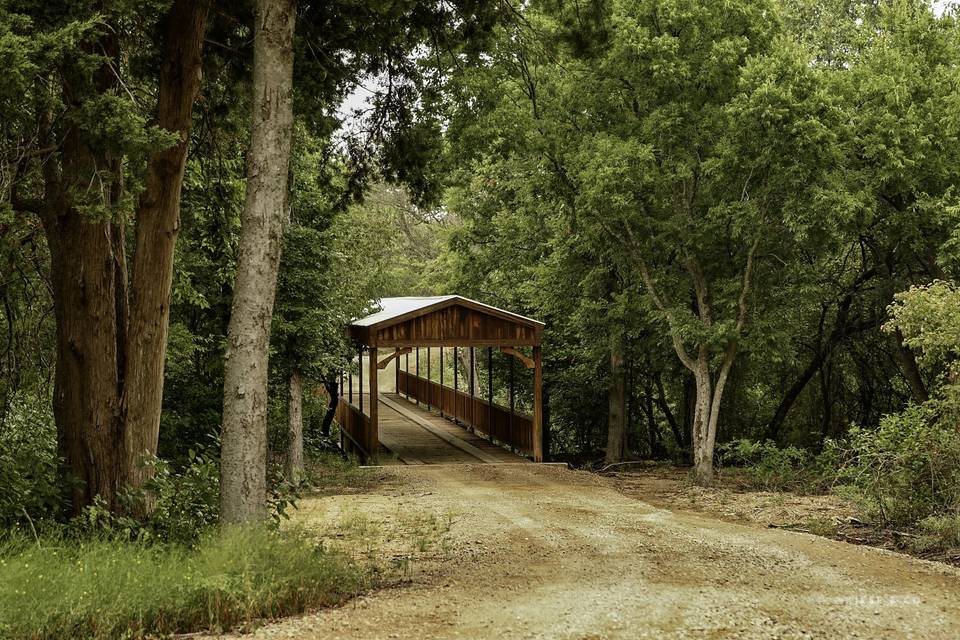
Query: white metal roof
(391,308)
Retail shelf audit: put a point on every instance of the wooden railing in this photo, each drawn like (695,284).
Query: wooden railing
(357,433)
(495,421)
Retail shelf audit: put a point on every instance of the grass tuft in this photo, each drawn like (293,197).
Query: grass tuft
(62,588)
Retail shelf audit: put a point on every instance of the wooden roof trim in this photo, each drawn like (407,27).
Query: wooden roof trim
(451,301)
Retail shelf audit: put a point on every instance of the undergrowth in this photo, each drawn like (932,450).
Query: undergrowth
(104,588)
(331,473)
(770,468)
(903,475)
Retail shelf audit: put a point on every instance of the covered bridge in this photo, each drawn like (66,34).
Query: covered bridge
(418,381)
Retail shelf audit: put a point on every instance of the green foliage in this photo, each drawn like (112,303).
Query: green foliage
(185,503)
(282,494)
(332,473)
(772,468)
(938,533)
(105,589)
(824,131)
(908,468)
(29,462)
(929,318)
(186,500)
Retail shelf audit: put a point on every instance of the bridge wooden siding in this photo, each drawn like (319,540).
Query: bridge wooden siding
(410,434)
(499,423)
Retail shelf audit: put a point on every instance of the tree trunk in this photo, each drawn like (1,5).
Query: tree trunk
(678,433)
(294,427)
(653,430)
(109,373)
(911,371)
(86,404)
(87,271)
(333,390)
(463,356)
(689,403)
(244,436)
(790,397)
(158,223)
(702,453)
(617,402)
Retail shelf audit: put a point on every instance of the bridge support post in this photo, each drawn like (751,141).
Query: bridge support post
(373,437)
(537,405)
(490,392)
(456,397)
(473,386)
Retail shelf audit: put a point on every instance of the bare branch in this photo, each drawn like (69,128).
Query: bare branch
(658,301)
(701,290)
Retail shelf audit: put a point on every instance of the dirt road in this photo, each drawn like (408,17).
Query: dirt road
(543,552)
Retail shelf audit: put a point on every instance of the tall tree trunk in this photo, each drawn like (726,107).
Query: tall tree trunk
(109,373)
(702,454)
(294,462)
(87,269)
(689,403)
(791,395)
(86,402)
(709,392)
(653,430)
(617,401)
(243,467)
(158,223)
(843,327)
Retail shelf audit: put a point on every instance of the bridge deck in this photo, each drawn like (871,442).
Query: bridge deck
(409,434)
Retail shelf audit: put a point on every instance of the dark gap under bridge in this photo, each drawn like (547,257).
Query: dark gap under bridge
(436,381)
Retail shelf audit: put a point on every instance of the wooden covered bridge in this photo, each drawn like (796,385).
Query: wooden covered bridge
(415,395)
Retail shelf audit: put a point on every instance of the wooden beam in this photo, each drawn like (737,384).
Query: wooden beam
(396,354)
(528,362)
(537,406)
(373,437)
(396,375)
(460,341)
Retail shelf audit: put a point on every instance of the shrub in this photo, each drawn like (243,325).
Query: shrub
(772,468)
(938,533)
(908,468)
(102,588)
(328,472)
(186,503)
(188,499)
(29,487)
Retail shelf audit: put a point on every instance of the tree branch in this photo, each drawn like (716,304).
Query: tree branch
(742,306)
(634,249)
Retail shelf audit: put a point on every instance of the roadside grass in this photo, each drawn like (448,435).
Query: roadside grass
(425,530)
(938,535)
(105,588)
(329,473)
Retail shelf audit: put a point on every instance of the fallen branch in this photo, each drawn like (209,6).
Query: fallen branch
(620,464)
